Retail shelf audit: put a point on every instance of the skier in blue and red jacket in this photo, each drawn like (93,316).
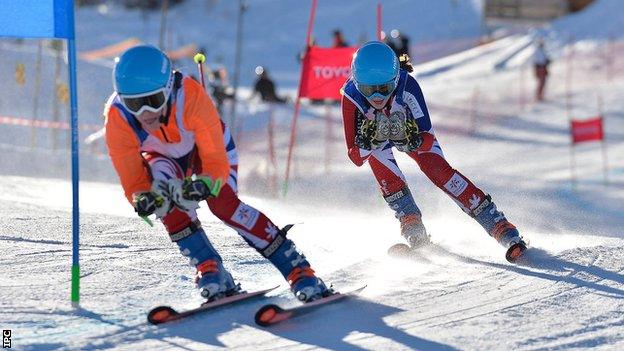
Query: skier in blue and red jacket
(383,107)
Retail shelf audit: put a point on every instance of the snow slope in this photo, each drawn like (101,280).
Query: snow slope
(463,296)
(460,295)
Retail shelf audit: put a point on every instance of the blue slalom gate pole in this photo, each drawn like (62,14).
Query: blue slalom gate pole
(52,19)
(75,289)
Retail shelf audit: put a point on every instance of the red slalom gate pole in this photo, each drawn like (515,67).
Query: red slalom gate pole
(379,21)
(272,159)
(521,89)
(311,23)
(474,110)
(603,143)
(328,136)
(293,128)
(568,94)
(610,57)
(293,132)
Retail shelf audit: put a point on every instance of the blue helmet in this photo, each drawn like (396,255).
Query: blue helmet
(142,69)
(375,64)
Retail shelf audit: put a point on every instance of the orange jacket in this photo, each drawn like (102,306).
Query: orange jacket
(200,117)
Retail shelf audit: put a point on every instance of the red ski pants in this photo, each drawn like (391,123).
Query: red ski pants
(256,228)
(433,164)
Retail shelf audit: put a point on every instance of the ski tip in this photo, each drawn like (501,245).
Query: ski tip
(360,288)
(516,252)
(161,314)
(352,290)
(399,250)
(270,289)
(267,315)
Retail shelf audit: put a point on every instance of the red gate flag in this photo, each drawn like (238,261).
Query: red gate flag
(588,130)
(324,72)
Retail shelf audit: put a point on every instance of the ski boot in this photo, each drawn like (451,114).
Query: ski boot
(305,285)
(412,229)
(498,227)
(508,236)
(213,280)
(294,266)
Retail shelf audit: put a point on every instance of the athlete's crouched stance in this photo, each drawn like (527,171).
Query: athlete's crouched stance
(383,107)
(171,151)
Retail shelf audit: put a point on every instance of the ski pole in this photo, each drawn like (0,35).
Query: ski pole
(159,202)
(147,220)
(199,59)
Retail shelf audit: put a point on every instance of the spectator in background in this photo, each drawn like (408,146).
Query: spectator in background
(265,87)
(398,43)
(540,63)
(339,40)
(221,90)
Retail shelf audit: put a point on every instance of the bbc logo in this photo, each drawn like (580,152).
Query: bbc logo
(6,338)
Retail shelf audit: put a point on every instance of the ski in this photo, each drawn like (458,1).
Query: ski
(512,255)
(165,314)
(272,314)
(422,253)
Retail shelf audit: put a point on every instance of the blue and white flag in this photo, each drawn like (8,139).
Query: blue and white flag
(37,18)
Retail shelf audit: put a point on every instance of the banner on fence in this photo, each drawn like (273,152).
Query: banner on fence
(325,70)
(40,123)
(109,51)
(186,51)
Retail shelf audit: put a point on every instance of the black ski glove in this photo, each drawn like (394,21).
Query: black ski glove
(201,188)
(365,133)
(414,137)
(146,203)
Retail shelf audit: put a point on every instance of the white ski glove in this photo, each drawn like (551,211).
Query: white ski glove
(176,191)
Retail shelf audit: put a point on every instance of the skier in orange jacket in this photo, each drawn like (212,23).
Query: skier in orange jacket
(171,151)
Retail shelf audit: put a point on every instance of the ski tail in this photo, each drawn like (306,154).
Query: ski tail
(165,314)
(272,314)
(162,314)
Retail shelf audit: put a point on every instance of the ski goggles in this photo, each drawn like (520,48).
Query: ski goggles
(152,101)
(381,89)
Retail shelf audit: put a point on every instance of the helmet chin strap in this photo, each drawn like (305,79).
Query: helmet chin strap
(164,118)
(176,82)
